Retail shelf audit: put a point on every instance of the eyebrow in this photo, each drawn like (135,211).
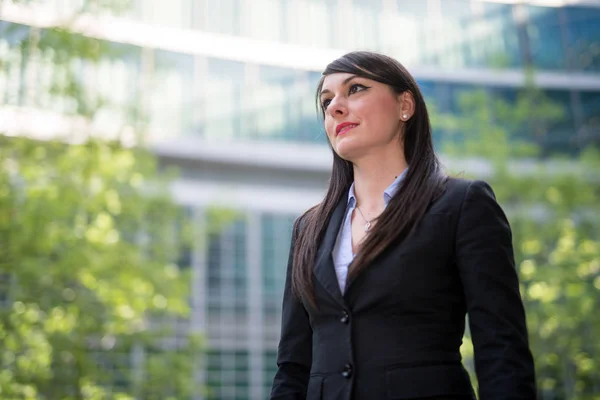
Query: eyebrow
(345,82)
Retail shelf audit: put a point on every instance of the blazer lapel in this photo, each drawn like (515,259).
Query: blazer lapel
(324,268)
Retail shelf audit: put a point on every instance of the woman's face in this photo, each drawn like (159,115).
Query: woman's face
(362,116)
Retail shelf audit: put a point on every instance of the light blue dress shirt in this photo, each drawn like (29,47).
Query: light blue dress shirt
(342,251)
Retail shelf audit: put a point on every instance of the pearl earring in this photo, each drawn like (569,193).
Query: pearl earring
(404,116)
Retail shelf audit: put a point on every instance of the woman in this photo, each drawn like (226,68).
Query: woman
(383,270)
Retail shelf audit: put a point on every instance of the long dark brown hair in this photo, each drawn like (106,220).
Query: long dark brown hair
(423,182)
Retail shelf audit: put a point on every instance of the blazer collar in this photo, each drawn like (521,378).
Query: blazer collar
(324,267)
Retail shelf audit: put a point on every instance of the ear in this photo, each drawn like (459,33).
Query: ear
(407,105)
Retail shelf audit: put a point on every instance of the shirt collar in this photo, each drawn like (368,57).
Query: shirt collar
(387,193)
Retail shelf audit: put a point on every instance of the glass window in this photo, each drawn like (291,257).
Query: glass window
(550,125)
(459,37)
(583,37)
(133,10)
(279,75)
(368,5)
(276,236)
(113,76)
(313,79)
(491,8)
(503,41)
(486,39)
(365,30)
(452,100)
(12,62)
(117,367)
(427,90)
(545,37)
(270,369)
(44,82)
(261,19)
(220,71)
(218,98)
(458,95)
(172,13)
(409,50)
(227,375)
(557,133)
(221,16)
(456,9)
(278,104)
(451,32)
(183,242)
(454,51)
(590,107)
(13,34)
(311,23)
(428,40)
(171,94)
(226,269)
(124,52)
(417,9)
(506,98)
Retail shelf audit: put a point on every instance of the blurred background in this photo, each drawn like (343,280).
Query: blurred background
(154,155)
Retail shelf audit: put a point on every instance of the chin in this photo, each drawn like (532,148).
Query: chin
(348,151)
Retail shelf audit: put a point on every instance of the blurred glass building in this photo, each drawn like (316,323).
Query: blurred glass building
(229,87)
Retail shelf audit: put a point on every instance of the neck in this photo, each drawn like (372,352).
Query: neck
(371,177)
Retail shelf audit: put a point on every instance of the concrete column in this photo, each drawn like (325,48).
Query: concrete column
(198,292)
(255,309)
(197,103)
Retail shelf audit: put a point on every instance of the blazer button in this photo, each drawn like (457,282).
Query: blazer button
(345,317)
(347,372)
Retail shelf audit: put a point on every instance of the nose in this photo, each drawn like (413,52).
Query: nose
(337,107)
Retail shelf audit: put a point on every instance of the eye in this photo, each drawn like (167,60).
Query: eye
(357,87)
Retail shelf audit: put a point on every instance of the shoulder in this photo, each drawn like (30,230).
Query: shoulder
(459,193)
(459,189)
(475,203)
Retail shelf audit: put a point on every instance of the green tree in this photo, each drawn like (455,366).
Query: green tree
(89,243)
(554,209)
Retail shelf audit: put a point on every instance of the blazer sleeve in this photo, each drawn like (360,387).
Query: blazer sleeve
(294,356)
(503,361)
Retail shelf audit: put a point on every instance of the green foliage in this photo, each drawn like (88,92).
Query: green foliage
(90,293)
(553,205)
(87,258)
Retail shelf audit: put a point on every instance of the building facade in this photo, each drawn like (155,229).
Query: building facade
(229,90)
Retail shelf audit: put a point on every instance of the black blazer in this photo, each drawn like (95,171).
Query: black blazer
(396,331)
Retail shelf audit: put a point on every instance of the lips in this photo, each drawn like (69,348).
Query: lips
(344,127)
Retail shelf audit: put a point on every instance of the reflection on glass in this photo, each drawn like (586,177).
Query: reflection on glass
(589,132)
(583,37)
(545,37)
